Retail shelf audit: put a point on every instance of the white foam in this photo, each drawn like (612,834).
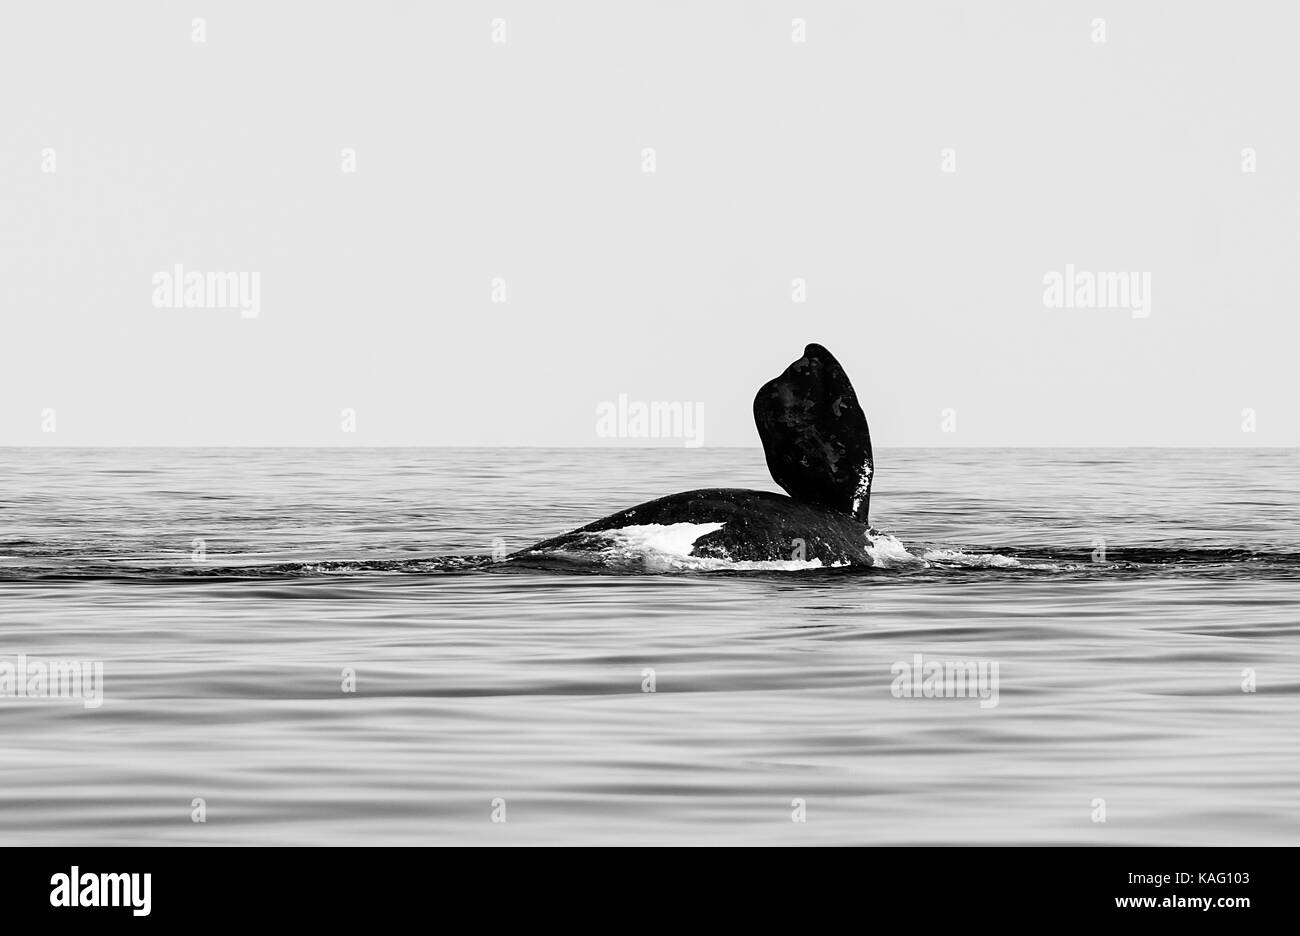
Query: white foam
(972,560)
(761,565)
(888,552)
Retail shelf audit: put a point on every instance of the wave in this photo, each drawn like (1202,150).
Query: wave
(655,549)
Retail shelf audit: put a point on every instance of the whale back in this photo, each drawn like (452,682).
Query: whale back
(815,435)
(753,526)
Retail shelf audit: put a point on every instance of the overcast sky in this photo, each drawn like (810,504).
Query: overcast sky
(127,147)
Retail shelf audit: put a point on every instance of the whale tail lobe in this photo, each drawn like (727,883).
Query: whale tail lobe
(815,436)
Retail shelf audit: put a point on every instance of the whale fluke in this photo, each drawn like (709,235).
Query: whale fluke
(815,434)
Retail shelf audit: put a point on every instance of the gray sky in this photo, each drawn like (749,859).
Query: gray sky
(523,161)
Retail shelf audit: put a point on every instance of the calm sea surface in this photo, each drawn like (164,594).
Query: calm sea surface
(1128,597)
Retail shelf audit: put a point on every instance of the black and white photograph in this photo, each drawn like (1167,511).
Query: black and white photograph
(752,423)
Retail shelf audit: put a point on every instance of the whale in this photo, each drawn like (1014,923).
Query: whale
(818,449)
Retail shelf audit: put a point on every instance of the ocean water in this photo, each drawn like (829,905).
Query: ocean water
(1129,597)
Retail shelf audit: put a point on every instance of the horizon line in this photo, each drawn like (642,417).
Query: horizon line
(344,446)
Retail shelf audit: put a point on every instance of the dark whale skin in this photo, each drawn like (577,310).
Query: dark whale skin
(815,434)
(758,526)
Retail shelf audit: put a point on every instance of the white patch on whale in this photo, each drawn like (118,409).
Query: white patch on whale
(673,539)
(668,547)
(864,486)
